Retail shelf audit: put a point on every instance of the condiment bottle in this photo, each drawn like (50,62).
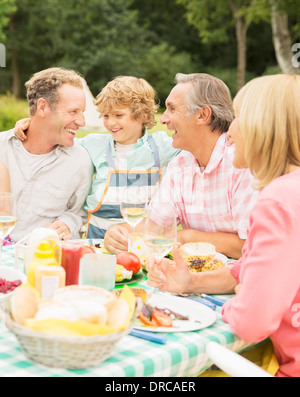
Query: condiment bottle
(43,256)
(48,279)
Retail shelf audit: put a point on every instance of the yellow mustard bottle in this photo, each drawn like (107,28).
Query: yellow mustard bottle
(48,279)
(43,256)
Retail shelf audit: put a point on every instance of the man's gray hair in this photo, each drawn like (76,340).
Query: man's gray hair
(209,91)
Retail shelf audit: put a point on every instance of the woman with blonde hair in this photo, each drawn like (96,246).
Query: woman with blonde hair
(266,134)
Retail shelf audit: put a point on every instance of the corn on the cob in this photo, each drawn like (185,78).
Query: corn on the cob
(122,273)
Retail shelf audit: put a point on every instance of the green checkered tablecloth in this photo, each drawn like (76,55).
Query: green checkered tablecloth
(183,355)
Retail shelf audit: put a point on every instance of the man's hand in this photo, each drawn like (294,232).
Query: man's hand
(116,238)
(61,228)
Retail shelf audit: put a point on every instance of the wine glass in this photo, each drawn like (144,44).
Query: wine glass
(133,213)
(8,217)
(133,206)
(160,230)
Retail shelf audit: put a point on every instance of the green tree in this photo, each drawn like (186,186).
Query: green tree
(98,38)
(107,42)
(213,20)
(161,63)
(165,21)
(282,39)
(7,7)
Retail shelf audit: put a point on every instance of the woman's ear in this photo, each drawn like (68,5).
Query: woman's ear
(204,115)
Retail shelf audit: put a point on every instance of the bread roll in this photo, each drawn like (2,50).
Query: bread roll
(118,312)
(199,250)
(78,303)
(91,311)
(60,311)
(76,293)
(86,310)
(24,304)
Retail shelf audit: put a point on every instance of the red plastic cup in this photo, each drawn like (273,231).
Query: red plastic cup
(70,261)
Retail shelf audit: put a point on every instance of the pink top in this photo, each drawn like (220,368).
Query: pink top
(269,271)
(217,199)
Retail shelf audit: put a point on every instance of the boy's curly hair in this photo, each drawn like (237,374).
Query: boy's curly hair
(128,91)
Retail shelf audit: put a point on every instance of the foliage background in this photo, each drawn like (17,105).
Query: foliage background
(153,39)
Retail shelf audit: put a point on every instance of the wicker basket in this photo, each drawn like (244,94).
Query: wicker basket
(65,351)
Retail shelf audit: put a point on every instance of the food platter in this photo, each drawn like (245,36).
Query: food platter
(138,277)
(199,316)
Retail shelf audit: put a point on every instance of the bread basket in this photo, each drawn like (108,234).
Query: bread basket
(66,351)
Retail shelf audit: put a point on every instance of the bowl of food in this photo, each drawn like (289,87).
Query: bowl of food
(10,279)
(201,256)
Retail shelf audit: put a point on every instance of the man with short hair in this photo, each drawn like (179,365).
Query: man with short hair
(211,199)
(49,175)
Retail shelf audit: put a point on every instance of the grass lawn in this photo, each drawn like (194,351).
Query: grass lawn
(157,127)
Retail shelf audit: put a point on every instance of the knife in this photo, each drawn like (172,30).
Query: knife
(148,336)
(217,301)
(204,302)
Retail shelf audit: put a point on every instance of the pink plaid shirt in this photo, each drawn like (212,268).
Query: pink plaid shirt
(217,199)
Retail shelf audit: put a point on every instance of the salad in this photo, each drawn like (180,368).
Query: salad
(159,317)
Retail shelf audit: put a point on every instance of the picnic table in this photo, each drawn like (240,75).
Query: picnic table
(183,354)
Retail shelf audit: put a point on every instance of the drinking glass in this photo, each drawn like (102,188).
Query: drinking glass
(70,260)
(98,269)
(160,230)
(8,217)
(133,213)
(133,204)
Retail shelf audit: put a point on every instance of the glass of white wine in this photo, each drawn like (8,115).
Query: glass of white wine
(133,213)
(8,217)
(160,230)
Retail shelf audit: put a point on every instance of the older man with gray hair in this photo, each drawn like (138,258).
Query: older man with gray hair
(49,175)
(211,199)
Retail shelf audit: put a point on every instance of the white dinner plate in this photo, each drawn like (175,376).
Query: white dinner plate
(221,257)
(200,316)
